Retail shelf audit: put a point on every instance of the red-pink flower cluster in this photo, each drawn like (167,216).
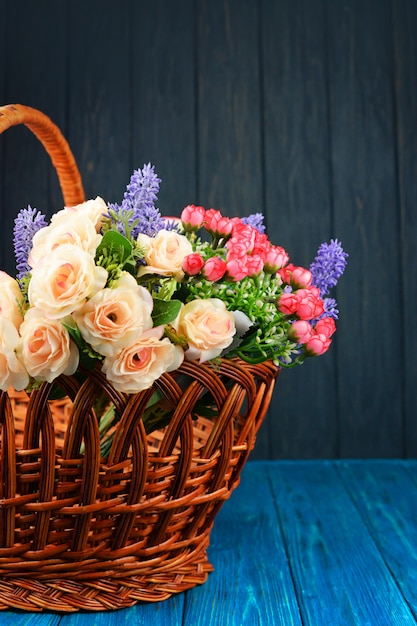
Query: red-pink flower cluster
(316,339)
(248,252)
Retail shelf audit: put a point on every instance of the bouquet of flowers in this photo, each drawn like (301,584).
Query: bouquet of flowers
(125,289)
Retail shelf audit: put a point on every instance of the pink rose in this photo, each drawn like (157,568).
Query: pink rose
(136,367)
(45,348)
(325,326)
(193,264)
(64,280)
(214,268)
(192,217)
(12,370)
(115,316)
(208,327)
(301,331)
(11,299)
(310,305)
(317,345)
(276,258)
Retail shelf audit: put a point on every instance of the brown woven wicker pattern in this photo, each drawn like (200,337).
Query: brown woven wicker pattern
(54,143)
(81,532)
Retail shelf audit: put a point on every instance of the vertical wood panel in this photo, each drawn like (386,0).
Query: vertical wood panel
(163,98)
(366,219)
(229,116)
(229,130)
(405,48)
(35,76)
(98,114)
(303,419)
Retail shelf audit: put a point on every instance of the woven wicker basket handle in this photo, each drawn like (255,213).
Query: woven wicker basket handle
(54,143)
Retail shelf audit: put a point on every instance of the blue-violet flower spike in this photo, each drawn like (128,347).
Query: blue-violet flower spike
(256,220)
(328,266)
(26,225)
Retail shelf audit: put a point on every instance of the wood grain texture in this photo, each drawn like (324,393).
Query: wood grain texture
(303,110)
(34,75)
(298,204)
(386,496)
(98,96)
(251,582)
(341,577)
(366,220)
(404,21)
(163,86)
(228,101)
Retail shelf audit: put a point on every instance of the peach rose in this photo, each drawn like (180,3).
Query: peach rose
(165,253)
(208,327)
(12,370)
(135,368)
(45,347)
(93,210)
(114,317)
(63,281)
(11,299)
(67,228)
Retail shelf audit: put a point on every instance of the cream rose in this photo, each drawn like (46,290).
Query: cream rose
(12,370)
(63,281)
(208,327)
(115,317)
(68,228)
(92,210)
(164,253)
(45,347)
(139,365)
(11,299)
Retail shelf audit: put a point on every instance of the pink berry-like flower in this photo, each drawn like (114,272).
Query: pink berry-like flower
(310,305)
(276,259)
(288,303)
(236,268)
(254,264)
(216,224)
(325,326)
(317,345)
(300,277)
(214,268)
(301,331)
(192,217)
(193,264)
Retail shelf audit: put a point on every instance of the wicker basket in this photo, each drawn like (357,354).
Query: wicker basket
(81,532)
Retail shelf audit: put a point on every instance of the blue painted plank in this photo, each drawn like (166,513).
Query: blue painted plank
(167,613)
(251,583)
(386,496)
(20,618)
(340,576)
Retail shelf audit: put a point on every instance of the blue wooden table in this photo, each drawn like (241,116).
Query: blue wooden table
(329,543)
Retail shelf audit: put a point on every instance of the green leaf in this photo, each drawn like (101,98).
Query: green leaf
(114,243)
(165,312)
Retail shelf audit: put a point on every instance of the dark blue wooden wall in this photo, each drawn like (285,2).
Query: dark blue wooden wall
(303,109)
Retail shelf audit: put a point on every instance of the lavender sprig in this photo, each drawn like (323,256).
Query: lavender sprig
(256,220)
(328,266)
(138,210)
(26,225)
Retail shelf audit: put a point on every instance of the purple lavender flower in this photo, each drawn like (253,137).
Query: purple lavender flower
(138,205)
(328,266)
(26,225)
(256,220)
